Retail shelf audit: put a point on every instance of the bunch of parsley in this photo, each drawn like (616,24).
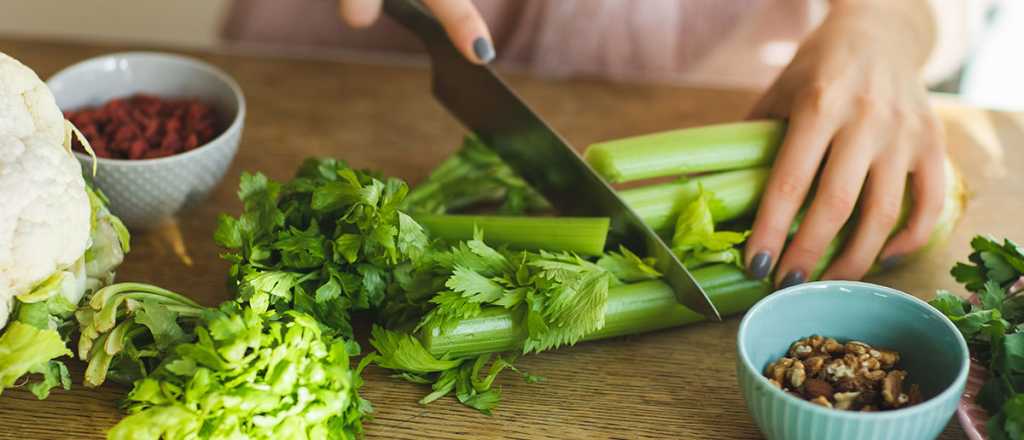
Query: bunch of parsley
(992,325)
(324,243)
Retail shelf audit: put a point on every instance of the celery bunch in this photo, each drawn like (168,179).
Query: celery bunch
(705,214)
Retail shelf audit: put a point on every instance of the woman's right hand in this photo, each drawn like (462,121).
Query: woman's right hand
(460,19)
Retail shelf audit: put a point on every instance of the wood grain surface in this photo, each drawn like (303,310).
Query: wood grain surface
(678,383)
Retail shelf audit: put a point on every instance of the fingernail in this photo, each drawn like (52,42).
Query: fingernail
(793,278)
(759,265)
(891,262)
(483,49)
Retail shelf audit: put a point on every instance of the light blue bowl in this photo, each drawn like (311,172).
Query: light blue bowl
(933,352)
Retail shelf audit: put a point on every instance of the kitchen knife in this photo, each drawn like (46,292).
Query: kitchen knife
(476,96)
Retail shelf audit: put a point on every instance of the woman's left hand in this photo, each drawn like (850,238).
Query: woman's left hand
(858,110)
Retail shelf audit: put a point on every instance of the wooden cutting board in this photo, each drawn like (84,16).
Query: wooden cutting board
(677,383)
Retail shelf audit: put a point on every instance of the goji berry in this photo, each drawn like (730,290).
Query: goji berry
(145,126)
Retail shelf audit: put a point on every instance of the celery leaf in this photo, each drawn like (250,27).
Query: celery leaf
(400,351)
(695,240)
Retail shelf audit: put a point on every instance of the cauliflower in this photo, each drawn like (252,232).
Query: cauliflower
(44,226)
(58,241)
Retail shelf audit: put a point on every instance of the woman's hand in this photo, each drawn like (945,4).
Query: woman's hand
(858,110)
(460,19)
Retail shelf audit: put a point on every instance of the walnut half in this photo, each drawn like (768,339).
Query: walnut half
(892,389)
(814,388)
(845,400)
(777,370)
(822,400)
(796,374)
(852,376)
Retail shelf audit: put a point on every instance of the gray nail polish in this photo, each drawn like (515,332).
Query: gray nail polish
(793,278)
(483,49)
(891,262)
(760,265)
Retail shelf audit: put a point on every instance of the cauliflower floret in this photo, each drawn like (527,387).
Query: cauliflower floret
(44,208)
(26,105)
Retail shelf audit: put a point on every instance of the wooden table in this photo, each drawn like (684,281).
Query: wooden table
(677,383)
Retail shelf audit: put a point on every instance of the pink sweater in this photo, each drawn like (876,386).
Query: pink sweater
(727,43)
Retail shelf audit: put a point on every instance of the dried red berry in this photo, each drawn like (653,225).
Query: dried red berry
(145,126)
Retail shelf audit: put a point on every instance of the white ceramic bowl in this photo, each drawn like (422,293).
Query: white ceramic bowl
(146,192)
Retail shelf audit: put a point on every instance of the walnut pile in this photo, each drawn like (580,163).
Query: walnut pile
(853,376)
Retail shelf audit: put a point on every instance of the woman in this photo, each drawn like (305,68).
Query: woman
(849,75)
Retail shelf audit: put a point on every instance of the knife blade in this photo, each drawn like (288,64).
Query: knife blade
(485,104)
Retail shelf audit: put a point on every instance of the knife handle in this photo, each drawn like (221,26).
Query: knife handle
(414,16)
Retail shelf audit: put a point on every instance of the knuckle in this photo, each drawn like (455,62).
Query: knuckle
(801,253)
(773,232)
(789,188)
(932,125)
(938,148)
(460,15)
(916,237)
(936,140)
(837,205)
(464,19)
(885,210)
(931,165)
(932,198)
(911,123)
(817,97)
(903,114)
(869,104)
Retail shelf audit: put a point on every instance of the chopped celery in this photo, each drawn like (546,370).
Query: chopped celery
(689,150)
(737,192)
(632,308)
(582,235)
(735,178)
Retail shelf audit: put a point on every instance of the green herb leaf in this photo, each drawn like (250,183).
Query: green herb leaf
(171,421)
(949,304)
(54,374)
(1013,353)
(399,351)
(473,286)
(627,267)
(26,349)
(253,375)
(992,328)
(992,295)
(1014,411)
(161,322)
(695,240)
(326,243)
(474,175)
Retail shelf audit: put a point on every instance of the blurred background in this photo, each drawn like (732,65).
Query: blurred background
(990,76)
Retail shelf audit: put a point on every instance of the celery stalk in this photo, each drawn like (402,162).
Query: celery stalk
(659,205)
(632,309)
(689,150)
(652,305)
(583,235)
